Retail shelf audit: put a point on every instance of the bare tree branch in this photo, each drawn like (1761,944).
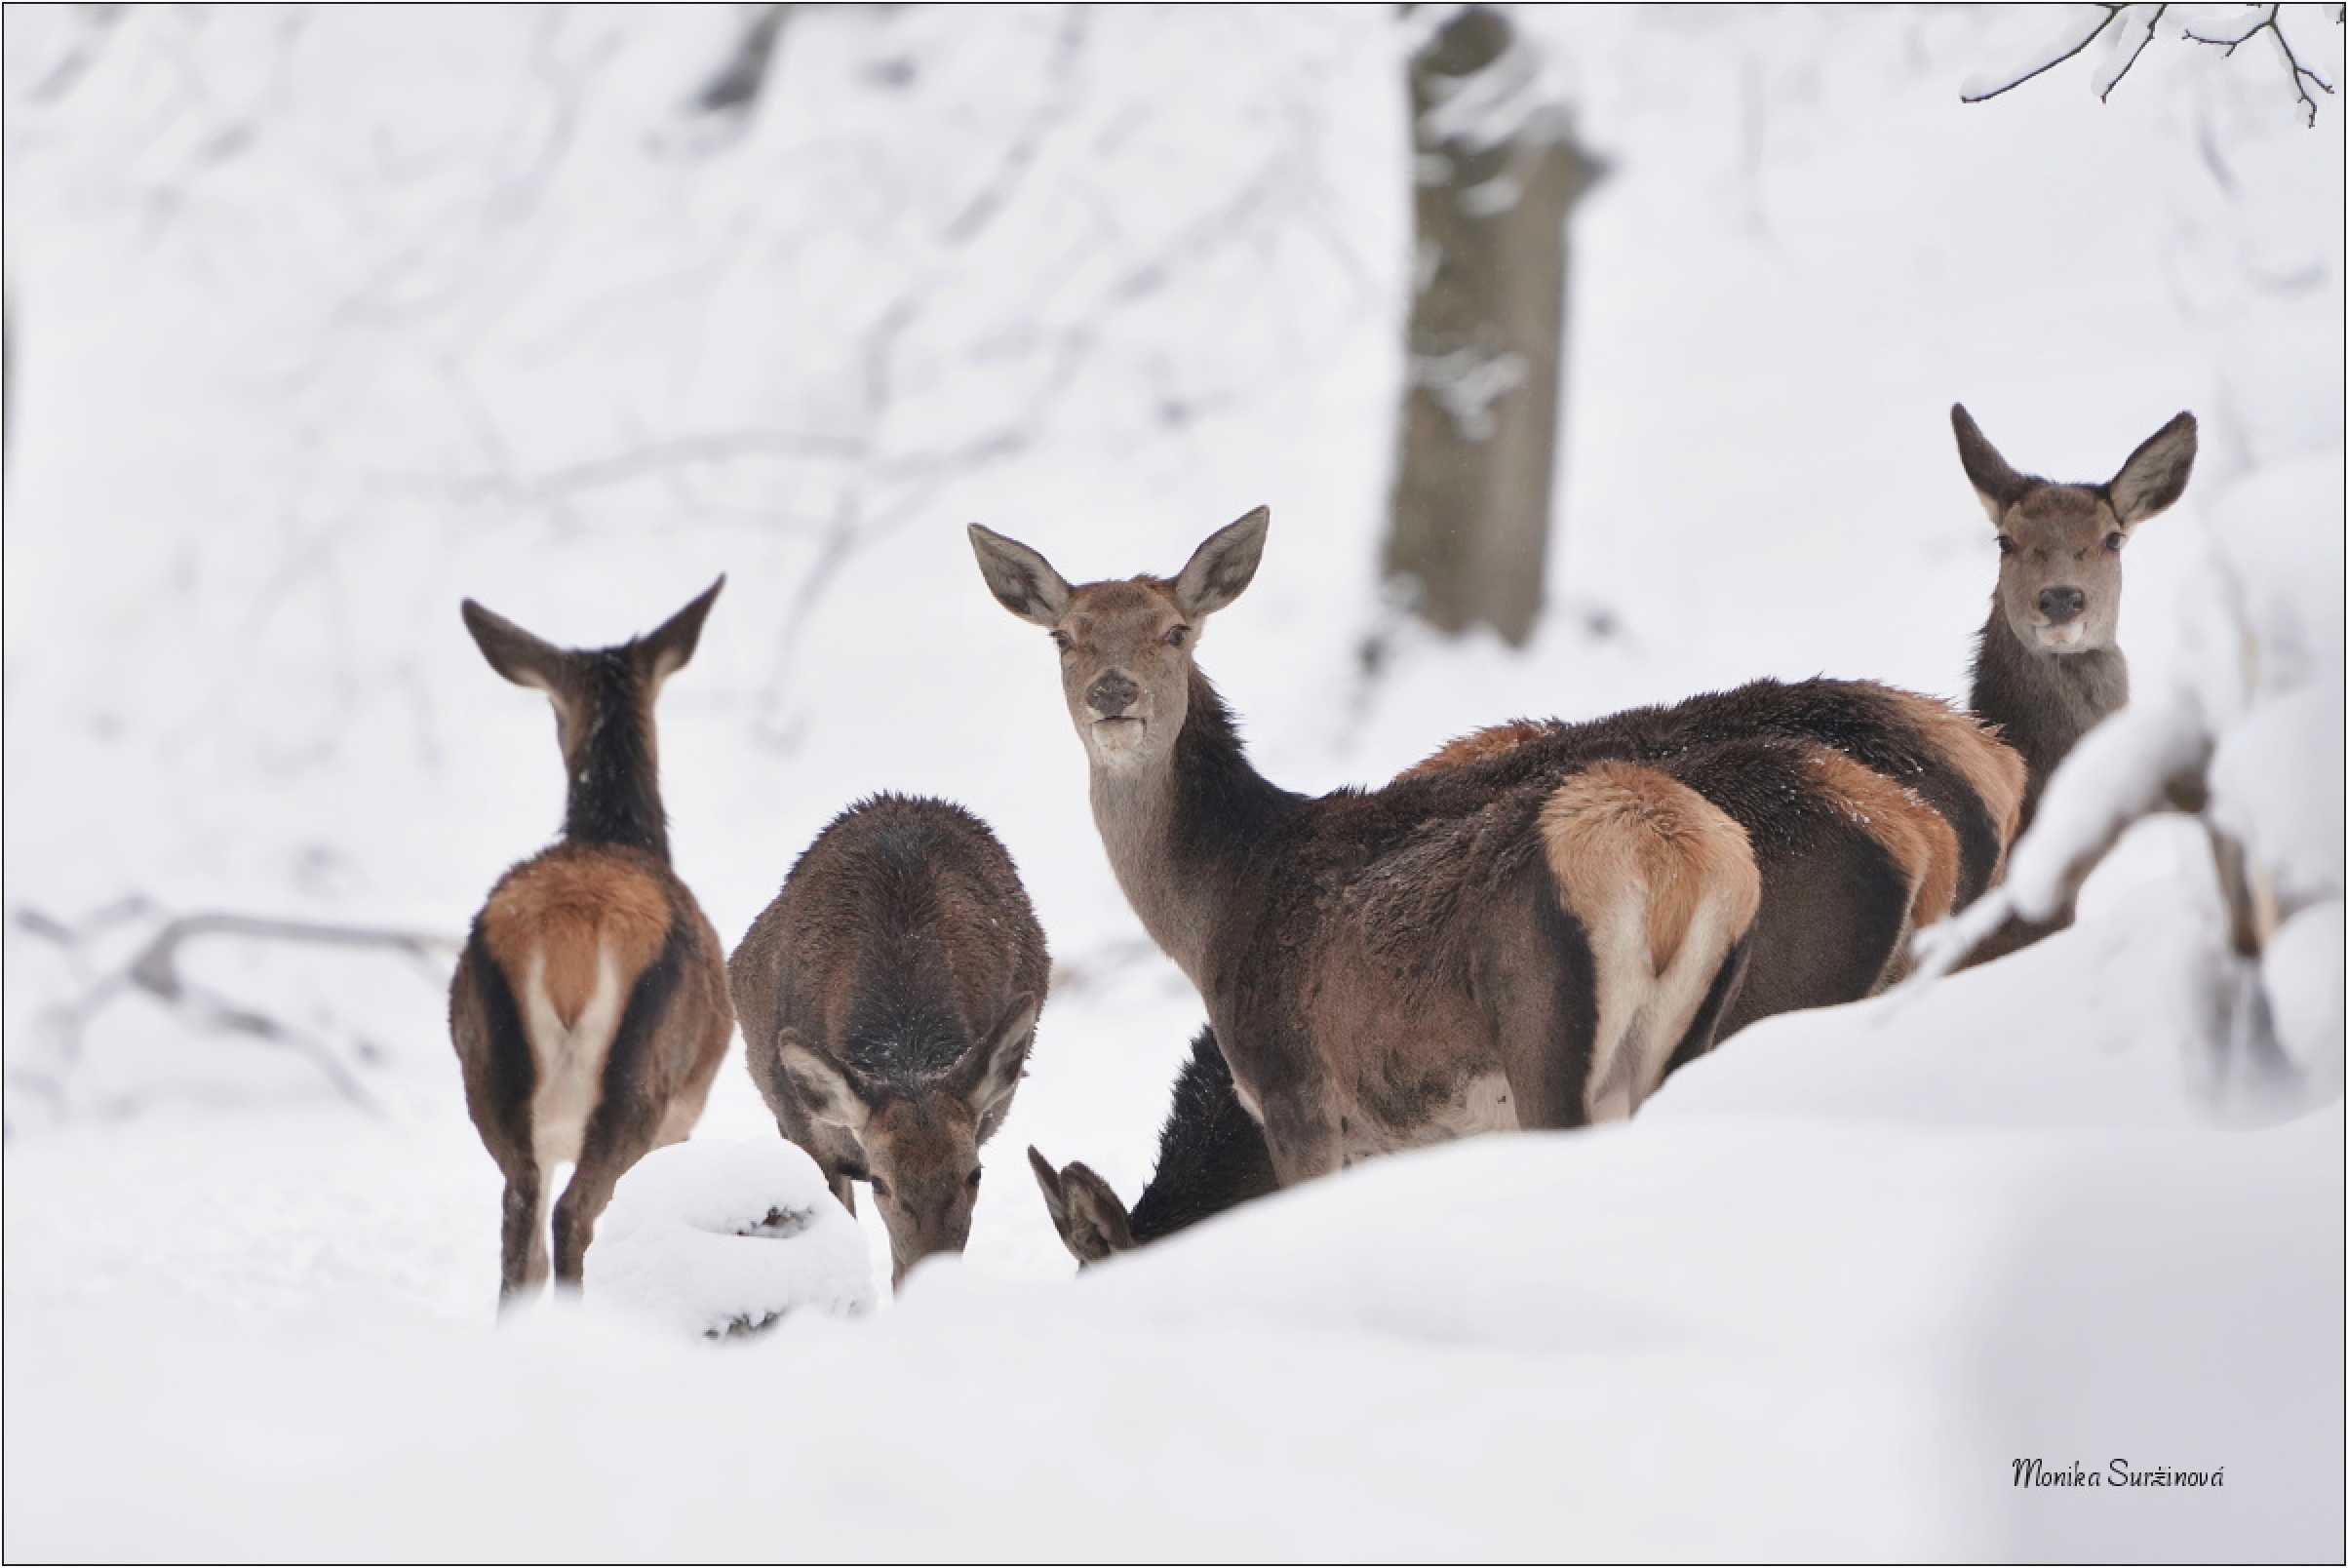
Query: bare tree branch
(2272,23)
(153,971)
(2111,14)
(2150,28)
(2302,75)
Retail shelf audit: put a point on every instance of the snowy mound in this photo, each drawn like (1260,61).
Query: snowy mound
(720,1237)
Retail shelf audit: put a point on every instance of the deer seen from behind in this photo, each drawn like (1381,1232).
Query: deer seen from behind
(588,1008)
(888,996)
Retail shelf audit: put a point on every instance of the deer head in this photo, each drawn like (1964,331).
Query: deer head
(1086,1210)
(1125,648)
(585,685)
(2058,545)
(918,1143)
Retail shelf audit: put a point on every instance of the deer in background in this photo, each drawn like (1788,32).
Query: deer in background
(1451,954)
(588,1008)
(2048,667)
(1210,1158)
(889,995)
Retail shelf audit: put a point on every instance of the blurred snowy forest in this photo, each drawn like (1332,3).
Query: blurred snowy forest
(319,319)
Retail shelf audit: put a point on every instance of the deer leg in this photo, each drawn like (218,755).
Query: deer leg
(522,1254)
(686,1105)
(1304,1140)
(619,1136)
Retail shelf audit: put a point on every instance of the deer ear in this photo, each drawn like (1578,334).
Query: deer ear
(1220,570)
(1994,480)
(665,651)
(1097,1222)
(1055,1198)
(513,653)
(2154,476)
(528,662)
(993,1068)
(1022,581)
(824,1091)
(1092,1222)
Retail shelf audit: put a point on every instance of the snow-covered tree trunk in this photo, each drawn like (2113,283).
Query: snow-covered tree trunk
(1494,177)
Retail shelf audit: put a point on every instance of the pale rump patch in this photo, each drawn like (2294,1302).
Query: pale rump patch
(1665,884)
(1477,746)
(569,1056)
(564,911)
(1917,837)
(1992,770)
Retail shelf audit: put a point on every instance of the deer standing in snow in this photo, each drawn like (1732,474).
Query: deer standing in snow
(588,1008)
(1449,955)
(2048,667)
(1868,811)
(889,995)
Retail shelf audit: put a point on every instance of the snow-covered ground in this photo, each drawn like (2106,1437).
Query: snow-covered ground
(320,320)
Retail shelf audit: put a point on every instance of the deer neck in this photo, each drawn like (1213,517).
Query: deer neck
(615,796)
(2042,702)
(1184,837)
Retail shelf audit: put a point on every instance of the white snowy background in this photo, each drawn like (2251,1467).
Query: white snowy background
(322,319)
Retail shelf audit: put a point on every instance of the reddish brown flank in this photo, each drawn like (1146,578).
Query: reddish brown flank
(571,909)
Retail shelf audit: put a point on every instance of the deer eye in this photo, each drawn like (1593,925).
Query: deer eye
(1177,636)
(879,1187)
(973,1180)
(2113,540)
(2006,545)
(1063,642)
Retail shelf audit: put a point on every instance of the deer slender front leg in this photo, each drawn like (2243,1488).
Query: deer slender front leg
(1305,1139)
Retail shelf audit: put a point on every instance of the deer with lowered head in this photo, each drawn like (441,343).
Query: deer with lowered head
(1448,954)
(2048,667)
(1210,1158)
(889,998)
(589,1009)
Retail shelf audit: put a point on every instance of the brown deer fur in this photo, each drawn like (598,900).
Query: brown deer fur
(1994,772)
(588,1008)
(1920,843)
(1641,859)
(889,994)
(1891,766)
(2048,666)
(1477,746)
(1383,968)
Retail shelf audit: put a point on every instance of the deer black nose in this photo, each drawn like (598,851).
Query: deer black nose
(2059,604)
(1112,695)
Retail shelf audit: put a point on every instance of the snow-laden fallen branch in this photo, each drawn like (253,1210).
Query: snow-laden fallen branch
(153,971)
